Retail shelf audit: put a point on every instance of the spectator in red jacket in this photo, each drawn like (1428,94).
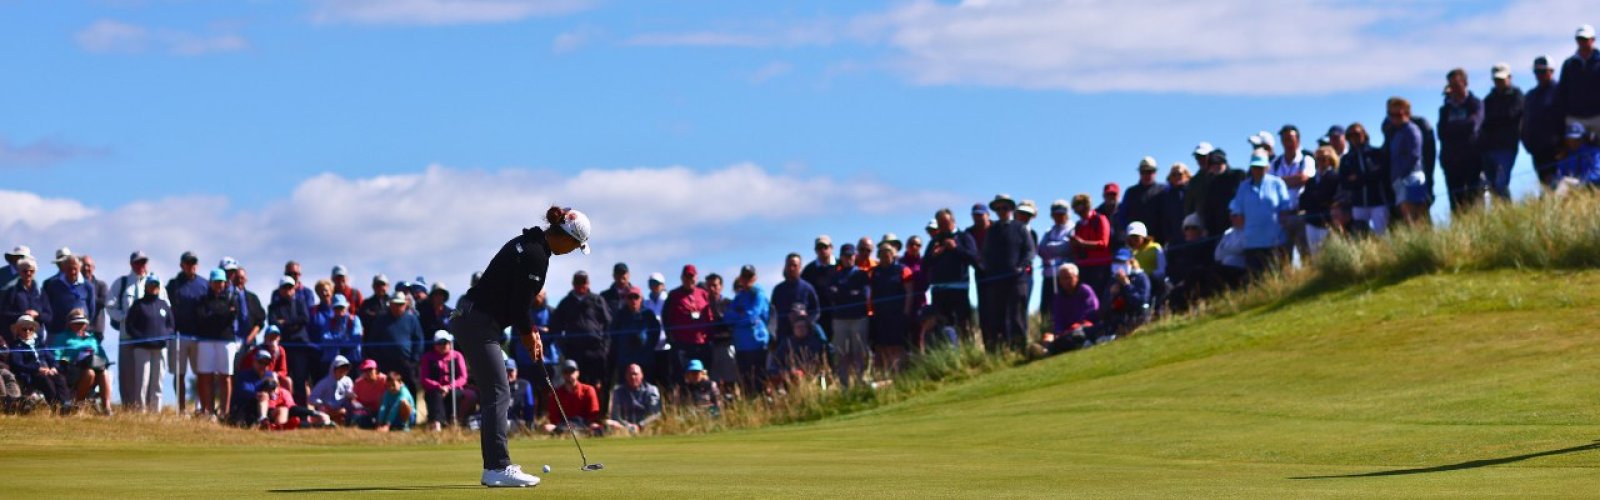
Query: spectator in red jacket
(579,400)
(688,317)
(1091,245)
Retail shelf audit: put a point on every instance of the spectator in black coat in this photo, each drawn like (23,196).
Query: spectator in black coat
(1460,121)
(580,324)
(1542,121)
(1145,202)
(33,365)
(1502,126)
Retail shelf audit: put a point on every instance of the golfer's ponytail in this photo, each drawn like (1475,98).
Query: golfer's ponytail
(555,216)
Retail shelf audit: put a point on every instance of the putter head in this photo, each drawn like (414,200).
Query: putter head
(593,467)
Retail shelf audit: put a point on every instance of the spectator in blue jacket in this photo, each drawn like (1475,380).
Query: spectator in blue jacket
(67,290)
(1257,205)
(24,298)
(186,291)
(1580,81)
(1581,163)
(952,256)
(1542,121)
(1406,175)
(634,331)
(851,291)
(523,412)
(340,335)
(1129,304)
(1460,119)
(301,343)
(33,365)
(396,344)
(748,314)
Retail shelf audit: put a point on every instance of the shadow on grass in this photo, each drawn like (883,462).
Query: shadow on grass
(361,489)
(1474,464)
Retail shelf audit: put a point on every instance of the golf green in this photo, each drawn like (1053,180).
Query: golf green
(1451,385)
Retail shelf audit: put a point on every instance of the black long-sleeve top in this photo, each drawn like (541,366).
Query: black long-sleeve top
(514,276)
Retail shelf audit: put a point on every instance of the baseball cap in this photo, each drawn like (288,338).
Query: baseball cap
(340,301)
(690,270)
(1541,63)
(369,365)
(569,366)
(1217,156)
(340,360)
(632,291)
(188,257)
(933,225)
(577,226)
(397,298)
(1204,148)
(1137,228)
(137,256)
(892,240)
(1585,31)
(63,254)
(1336,130)
(619,268)
(1193,220)
(1028,207)
(264,356)
(340,270)
(511,363)
(824,241)
(151,279)
(1500,71)
(438,287)
(271,330)
(1259,159)
(980,209)
(1148,164)
(847,250)
(1111,187)
(285,281)
(77,317)
(1575,131)
(658,278)
(1059,207)
(695,366)
(380,278)
(442,336)
(219,275)
(228,264)
(20,251)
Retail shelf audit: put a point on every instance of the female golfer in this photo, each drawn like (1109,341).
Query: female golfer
(501,298)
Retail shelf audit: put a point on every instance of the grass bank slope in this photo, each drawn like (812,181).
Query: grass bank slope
(1445,385)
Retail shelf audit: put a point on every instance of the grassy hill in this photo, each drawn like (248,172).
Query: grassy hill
(1443,385)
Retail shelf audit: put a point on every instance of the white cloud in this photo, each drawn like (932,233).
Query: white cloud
(771,70)
(111,36)
(570,41)
(43,153)
(439,12)
(445,223)
(1214,47)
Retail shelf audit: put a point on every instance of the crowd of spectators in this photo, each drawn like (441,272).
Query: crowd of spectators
(853,315)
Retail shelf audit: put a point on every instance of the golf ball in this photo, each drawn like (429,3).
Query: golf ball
(547,469)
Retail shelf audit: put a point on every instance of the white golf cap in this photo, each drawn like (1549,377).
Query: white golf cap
(1148,163)
(443,336)
(1204,148)
(285,281)
(1500,71)
(1585,31)
(658,278)
(20,251)
(340,270)
(228,264)
(63,254)
(1137,229)
(577,226)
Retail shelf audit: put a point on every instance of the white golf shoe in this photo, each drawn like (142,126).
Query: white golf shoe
(509,477)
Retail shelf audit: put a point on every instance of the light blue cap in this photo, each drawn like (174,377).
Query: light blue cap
(696,366)
(340,301)
(219,275)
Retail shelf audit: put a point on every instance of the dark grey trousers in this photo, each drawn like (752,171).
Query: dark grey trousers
(478,339)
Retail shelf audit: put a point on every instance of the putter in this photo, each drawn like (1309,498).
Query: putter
(586,465)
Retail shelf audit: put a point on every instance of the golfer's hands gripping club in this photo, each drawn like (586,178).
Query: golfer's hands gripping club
(534,343)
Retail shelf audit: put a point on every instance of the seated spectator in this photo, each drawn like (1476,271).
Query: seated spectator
(523,409)
(580,402)
(1580,161)
(369,387)
(84,361)
(1129,295)
(250,391)
(444,373)
(801,354)
(936,330)
(398,411)
(35,367)
(1191,265)
(699,391)
(276,407)
(334,394)
(10,391)
(1072,314)
(339,333)
(1152,259)
(635,404)
(1230,251)
(1340,222)
(272,344)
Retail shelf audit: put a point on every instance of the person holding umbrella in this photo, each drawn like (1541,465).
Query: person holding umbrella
(501,298)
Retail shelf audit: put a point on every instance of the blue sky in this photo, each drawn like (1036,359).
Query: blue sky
(413,136)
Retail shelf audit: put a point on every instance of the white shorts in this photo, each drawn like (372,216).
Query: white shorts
(216,357)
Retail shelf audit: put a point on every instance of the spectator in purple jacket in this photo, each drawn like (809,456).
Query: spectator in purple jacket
(1460,120)
(1072,313)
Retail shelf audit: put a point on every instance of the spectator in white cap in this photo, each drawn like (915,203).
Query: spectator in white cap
(9,272)
(1144,203)
(1580,82)
(1151,255)
(341,286)
(500,299)
(1502,127)
(24,298)
(35,366)
(1543,121)
(656,296)
(339,333)
(124,292)
(443,373)
(335,394)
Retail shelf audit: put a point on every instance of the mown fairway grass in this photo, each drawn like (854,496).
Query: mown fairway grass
(1445,385)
